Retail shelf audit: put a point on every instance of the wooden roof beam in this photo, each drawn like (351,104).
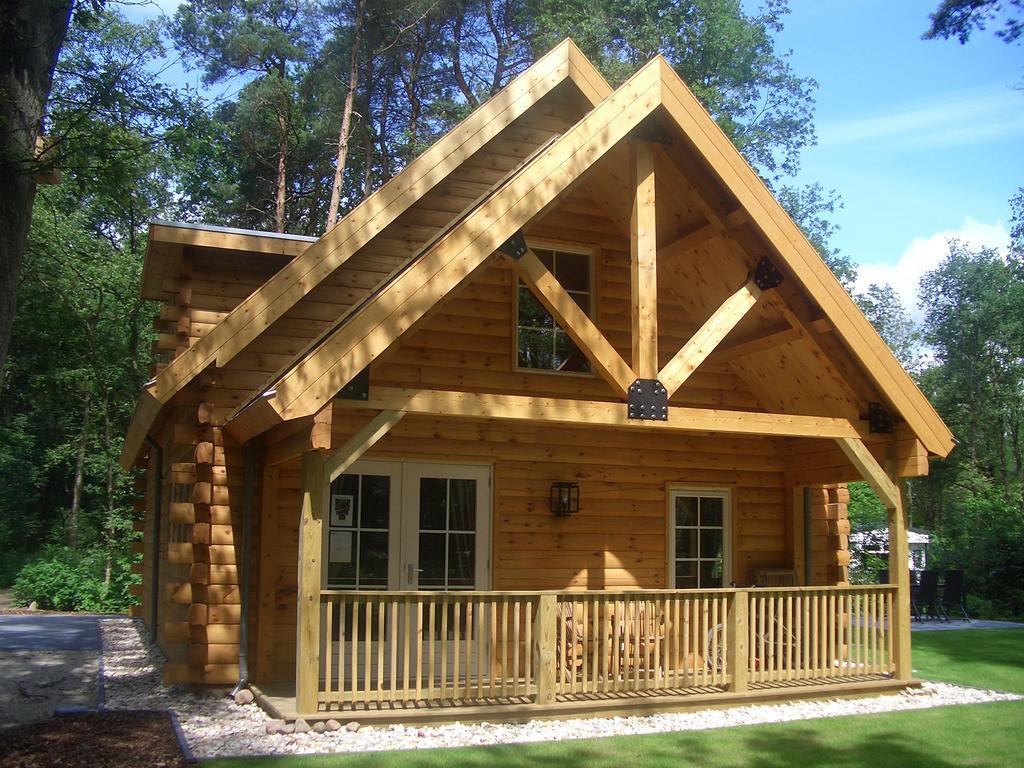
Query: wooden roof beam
(870,470)
(406,299)
(643,240)
(708,337)
(574,321)
(595,413)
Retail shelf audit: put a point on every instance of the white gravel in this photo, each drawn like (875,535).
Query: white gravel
(215,726)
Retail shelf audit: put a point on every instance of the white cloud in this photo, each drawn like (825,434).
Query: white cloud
(924,254)
(956,118)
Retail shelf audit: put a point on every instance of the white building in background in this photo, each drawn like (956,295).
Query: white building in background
(876,542)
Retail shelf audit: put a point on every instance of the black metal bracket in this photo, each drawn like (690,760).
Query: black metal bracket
(879,419)
(358,388)
(647,400)
(766,276)
(653,130)
(515,247)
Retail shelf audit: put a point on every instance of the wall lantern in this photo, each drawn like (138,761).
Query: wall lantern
(565,499)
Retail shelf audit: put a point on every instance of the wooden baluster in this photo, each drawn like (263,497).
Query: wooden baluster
(393,646)
(431,645)
(355,651)
(494,647)
(515,646)
(467,640)
(456,630)
(328,648)
(481,662)
(504,646)
(418,638)
(342,622)
(367,647)
(444,603)
(381,607)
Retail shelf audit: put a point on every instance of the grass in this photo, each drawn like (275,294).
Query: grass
(982,735)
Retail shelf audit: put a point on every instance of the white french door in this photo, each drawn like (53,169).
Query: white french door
(405,526)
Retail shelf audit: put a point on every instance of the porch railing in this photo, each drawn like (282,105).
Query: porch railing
(416,649)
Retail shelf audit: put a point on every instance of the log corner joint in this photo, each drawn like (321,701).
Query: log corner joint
(647,400)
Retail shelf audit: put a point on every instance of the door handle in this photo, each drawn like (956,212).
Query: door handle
(411,572)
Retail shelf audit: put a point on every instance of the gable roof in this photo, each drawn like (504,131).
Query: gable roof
(350,346)
(368,329)
(564,63)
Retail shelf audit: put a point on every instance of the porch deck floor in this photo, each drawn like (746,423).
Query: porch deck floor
(278,700)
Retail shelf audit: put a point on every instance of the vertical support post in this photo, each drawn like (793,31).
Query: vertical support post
(643,264)
(899,574)
(307,668)
(544,630)
(808,540)
(738,653)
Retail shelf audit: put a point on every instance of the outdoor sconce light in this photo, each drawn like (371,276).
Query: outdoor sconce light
(565,499)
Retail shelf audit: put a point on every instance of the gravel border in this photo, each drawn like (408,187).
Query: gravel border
(215,726)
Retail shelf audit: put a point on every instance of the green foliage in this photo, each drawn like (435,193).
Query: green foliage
(960,18)
(883,308)
(811,208)
(865,509)
(62,579)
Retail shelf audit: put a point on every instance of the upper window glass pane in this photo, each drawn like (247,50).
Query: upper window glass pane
(541,343)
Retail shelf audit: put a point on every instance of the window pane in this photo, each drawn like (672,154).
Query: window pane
(710,511)
(432,559)
(711,542)
(373,559)
(535,348)
(573,271)
(582,300)
(547,258)
(710,573)
(348,485)
(376,501)
(463,505)
(686,542)
(531,312)
(567,355)
(433,503)
(461,559)
(686,574)
(686,510)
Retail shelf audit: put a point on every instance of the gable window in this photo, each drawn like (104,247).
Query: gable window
(699,538)
(541,344)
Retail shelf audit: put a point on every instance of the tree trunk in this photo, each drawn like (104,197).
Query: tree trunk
(346,118)
(31,35)
(76,493)
(281,182)
(110,532)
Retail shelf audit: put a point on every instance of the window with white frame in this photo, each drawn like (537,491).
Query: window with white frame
(541,344)
(699,540)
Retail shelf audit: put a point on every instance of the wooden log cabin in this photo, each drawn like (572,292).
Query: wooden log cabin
(555,422)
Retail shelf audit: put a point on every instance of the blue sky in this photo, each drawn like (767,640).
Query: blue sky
(923,140)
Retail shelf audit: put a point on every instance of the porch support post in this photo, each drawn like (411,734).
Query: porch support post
(738,653)
(544,651)
(899,574)
(307,666)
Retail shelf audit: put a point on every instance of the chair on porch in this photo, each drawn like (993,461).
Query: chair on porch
(927,598)
(571,653)
(953,594)
(774,577)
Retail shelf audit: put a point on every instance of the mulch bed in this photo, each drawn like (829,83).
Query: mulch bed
(96,740)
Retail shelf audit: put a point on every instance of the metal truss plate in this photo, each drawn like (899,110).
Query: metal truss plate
(515,247)
(766,276)
(879,419)
(358,388)
(648,400)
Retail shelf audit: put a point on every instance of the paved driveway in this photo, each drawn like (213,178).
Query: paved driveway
(46,662)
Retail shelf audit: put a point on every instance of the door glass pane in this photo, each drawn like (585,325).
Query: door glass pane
(376,501)
(432,557)
(700,543)
(373,559)
(463,505)
(711,542)
(710,574)
(433,503)
(461,559)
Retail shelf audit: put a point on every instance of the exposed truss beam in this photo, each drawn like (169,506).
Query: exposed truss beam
(703,234)
(708,337)
(581,329)
(644,263)
(871,471)
(595,413)
(362,441)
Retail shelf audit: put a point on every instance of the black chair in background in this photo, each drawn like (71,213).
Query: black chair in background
(953,594)
(927,598)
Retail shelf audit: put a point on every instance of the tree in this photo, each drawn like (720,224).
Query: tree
(31,35)
(882,306)
(959,18)
(811,208)
(263,41)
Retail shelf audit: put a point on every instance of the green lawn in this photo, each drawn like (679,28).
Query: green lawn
(981,735)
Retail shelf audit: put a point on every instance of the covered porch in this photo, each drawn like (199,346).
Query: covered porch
(415,656)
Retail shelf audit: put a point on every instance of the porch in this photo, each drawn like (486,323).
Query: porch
(388,656)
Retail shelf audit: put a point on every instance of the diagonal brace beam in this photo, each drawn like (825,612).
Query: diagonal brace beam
(575,322)
(871,470)
(708,337)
